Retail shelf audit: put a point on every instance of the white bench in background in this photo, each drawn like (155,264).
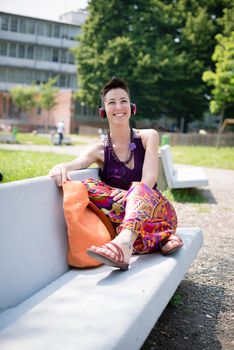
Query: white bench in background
(185,177)
(7,138)
(46,305)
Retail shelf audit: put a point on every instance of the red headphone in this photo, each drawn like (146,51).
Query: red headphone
(102,111)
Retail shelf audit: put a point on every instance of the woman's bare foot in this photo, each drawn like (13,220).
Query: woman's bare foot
(116,253)
(172,244)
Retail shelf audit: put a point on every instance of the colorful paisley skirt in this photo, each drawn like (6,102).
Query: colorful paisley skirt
(145,211)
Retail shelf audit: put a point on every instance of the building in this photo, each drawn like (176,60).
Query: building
(32,50)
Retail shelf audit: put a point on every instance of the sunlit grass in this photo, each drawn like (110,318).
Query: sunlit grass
(204,156)
(182,195)
(17,165)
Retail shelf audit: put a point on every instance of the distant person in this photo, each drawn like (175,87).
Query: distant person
(60,131)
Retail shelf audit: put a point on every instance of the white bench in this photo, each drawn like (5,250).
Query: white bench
(46,305)
(7,138)
(185,177)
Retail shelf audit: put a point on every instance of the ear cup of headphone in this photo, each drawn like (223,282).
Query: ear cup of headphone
(102,112)
(133,108)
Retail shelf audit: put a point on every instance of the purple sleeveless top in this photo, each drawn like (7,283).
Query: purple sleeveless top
(118,175)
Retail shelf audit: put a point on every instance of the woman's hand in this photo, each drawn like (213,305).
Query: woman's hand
(60,174)
(119,195)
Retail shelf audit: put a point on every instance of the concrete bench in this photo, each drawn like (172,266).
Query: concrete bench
(46,305)
(185,177)
(7,138)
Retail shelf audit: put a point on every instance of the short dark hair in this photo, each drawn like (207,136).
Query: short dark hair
(114,83)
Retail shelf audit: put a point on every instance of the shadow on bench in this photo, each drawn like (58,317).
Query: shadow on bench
(45,304)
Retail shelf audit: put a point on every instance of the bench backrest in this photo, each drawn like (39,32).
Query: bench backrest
(168,164)
(33,240)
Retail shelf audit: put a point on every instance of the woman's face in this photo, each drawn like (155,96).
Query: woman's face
(117,105)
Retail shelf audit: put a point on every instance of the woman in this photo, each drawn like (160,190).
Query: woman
(145,221)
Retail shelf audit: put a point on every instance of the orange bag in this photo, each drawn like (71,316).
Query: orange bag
(87,225)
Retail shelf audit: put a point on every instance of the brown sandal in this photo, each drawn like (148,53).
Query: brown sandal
(116,261)
(175,243)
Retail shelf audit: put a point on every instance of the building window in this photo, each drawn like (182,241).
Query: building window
(64,32)
(2,74)
(31,27)
(22,25)
(30,52)
(64,56)
(21,51)
(12,50)
(28,76)
(14,24)
(11,75)
(4,104)
(62,80)
(71,58)
(3,48)
(48,29)
(55,55)
(38,109)
(39,53)
(19,76)
(40,28)
(46,54)
(57,31)
(5,22)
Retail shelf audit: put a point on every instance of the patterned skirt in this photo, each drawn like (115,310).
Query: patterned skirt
(145,211)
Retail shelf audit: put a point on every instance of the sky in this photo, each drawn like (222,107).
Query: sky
(48,9)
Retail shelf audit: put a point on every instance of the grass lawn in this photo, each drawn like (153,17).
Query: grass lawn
(204,156)
(17,165)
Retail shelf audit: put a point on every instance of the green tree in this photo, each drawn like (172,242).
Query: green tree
(161,48)
(24,97)
(47,101)
(222,79)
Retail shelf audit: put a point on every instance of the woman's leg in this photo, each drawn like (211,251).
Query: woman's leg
(149,214)
(148,218)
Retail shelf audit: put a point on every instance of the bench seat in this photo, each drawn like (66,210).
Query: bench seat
(47,305)
(186,177)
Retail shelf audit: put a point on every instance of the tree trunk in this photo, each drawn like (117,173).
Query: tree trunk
(220,128)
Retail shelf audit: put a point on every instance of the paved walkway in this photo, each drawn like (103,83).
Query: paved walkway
(72,150)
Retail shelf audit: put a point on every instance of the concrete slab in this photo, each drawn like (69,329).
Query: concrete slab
(101,308)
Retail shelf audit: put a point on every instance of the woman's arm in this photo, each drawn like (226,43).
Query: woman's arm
(93,153)
(150,141)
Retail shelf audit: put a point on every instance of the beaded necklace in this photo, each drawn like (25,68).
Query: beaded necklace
(131,147)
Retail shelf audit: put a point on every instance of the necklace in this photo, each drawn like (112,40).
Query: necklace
(131,147)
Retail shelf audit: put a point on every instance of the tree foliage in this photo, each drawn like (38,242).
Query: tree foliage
(48,94)
(24,97)
(48,101)
(161,48)
(222,79)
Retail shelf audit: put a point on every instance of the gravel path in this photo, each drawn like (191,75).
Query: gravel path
(205,317)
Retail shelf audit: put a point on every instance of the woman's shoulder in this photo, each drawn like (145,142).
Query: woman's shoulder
(146,133)
(148,137)
(96,149)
